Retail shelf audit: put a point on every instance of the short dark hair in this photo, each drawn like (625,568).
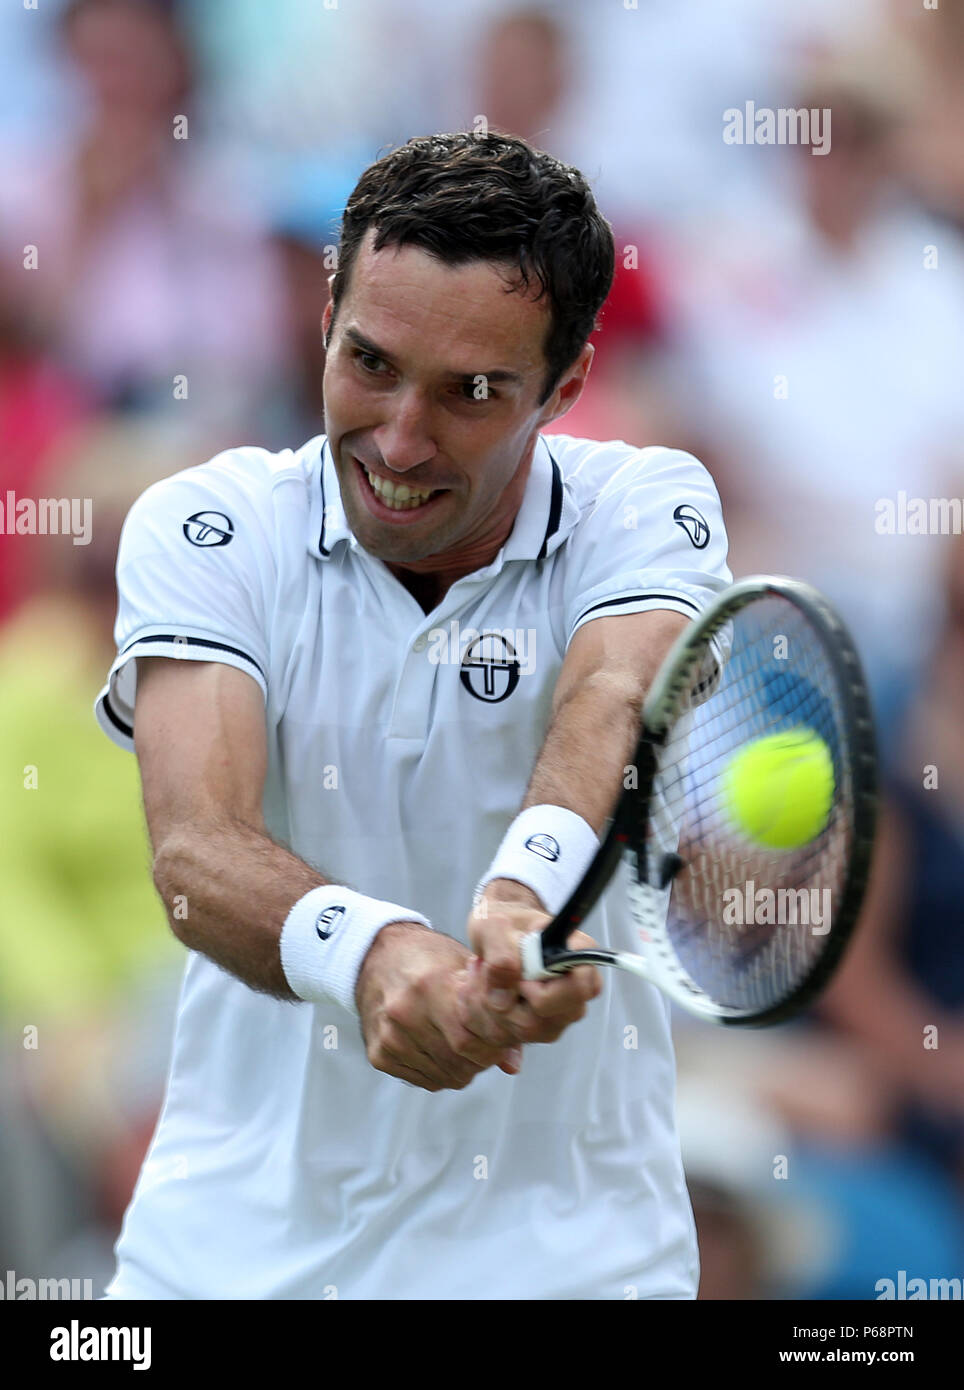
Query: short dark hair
(465,197)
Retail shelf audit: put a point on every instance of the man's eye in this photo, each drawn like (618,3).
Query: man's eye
(472,391)
(367,359)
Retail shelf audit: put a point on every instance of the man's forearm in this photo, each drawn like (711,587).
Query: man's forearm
(227,895)
(591,741)
(581,766)
(595,723)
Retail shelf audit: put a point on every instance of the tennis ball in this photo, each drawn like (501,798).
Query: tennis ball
(778,790)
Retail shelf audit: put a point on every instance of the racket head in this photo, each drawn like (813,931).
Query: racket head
(770,656)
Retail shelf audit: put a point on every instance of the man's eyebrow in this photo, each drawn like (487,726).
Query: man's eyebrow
(500,375)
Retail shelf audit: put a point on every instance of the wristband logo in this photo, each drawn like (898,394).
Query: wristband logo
(327,922)
(545,846)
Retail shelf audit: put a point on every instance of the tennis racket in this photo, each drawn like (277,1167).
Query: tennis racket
(732,929)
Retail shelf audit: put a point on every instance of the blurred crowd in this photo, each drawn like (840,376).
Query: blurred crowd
(172,181)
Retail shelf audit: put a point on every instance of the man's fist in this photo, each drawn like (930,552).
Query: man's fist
(406,997)
(497,1005)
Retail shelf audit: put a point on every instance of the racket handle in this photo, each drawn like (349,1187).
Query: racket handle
(587,893)
(533,959)
(537,964)
(627,828)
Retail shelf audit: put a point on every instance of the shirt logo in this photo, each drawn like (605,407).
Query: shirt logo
(545,846)
(693,524)
(490,668)
(328,922)
(209,528)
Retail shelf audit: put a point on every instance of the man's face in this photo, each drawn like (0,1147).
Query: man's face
(432,383)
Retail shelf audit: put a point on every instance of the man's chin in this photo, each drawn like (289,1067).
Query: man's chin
(401,548)
(417,538)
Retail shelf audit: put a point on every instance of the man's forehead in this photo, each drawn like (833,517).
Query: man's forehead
(474,303)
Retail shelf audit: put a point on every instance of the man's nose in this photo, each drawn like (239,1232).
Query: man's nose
(405,440)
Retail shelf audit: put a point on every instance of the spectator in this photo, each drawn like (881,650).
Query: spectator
(820,351)
(39,405)
(899,997)
(148,267)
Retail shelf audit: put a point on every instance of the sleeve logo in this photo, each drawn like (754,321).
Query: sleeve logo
(545,846)
(209,528)
(693,524)
(328,922)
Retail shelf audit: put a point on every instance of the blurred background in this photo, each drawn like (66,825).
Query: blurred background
(172,177)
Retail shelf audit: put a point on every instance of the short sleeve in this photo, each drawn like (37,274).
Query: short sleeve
(195,573)
(653,538)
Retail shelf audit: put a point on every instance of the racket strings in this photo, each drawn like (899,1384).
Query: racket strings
(749,920)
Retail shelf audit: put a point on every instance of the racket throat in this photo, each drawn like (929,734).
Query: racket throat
(669,868)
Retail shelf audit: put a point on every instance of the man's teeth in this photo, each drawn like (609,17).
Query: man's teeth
(396,495)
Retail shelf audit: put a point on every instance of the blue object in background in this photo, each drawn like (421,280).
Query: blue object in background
(894,1211)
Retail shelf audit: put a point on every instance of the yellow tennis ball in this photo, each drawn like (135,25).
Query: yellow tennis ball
(778,790)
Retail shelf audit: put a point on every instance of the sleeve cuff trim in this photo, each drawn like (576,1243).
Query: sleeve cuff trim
(677,600)
(182,643)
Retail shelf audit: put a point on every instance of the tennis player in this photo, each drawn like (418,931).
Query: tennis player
(383,691)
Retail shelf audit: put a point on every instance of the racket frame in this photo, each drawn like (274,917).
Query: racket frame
(544,954)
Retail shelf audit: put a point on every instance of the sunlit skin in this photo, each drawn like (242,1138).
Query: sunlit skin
(411,341)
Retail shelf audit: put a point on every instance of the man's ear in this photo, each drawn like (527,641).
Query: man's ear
(570,389)
(326,318)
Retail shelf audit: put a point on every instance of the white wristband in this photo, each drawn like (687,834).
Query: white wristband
(326,937)
(547,848)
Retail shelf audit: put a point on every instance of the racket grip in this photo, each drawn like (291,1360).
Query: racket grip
(533,958)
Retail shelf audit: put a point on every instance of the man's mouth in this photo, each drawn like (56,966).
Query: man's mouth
(398,497)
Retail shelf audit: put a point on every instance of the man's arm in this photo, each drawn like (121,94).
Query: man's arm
(596,711)
(595,720)
(200,739)
(199,734)
(593,731)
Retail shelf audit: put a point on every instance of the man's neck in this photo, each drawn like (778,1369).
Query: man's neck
(428,581)
(426,589)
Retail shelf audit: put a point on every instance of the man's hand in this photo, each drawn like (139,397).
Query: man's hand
(407,999)
(496,1005)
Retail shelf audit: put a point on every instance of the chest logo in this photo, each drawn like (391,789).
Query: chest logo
(490,668)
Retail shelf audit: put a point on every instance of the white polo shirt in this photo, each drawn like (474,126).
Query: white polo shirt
(400,747)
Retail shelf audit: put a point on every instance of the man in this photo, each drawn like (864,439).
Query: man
(347,661)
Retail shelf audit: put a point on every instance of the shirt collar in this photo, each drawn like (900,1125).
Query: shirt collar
(544,520)
(327,523)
